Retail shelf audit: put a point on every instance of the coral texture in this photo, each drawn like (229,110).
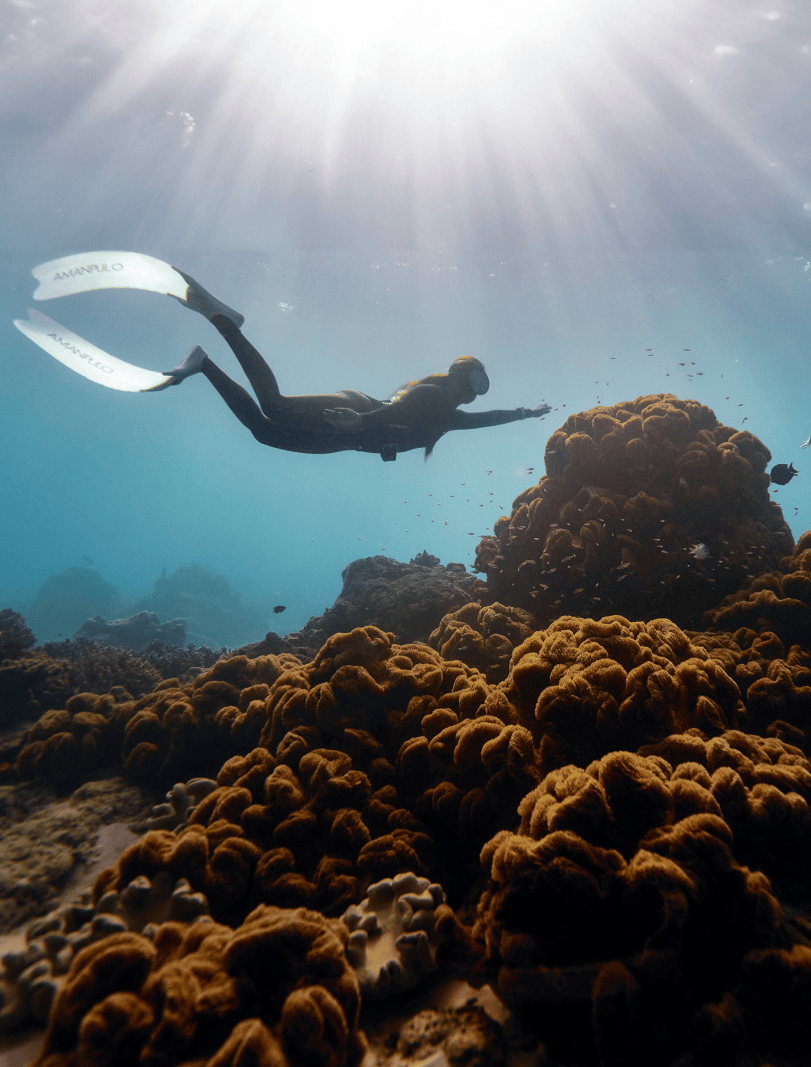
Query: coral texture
(585,687)
(778,600)
(630,489)
(483,637)
(626,896)
(276,991)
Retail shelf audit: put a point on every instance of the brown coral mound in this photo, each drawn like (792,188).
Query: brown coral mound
(626,896)
(629,489)
(585,687)
(778,601)
(373,759)
(276,991)
(171,730)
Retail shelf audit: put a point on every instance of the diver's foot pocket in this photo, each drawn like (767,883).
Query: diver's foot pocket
(200,300)
(192,364)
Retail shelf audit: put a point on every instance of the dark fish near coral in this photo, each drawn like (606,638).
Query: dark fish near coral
(279,608)
(782,473)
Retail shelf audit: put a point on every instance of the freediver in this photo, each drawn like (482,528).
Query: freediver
(416,416)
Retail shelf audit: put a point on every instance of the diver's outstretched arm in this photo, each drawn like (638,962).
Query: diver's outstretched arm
(475,420)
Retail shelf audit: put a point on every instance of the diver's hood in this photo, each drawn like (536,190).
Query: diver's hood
(474,372)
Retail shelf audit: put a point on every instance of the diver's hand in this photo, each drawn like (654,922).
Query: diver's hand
(342,418)
(536,412)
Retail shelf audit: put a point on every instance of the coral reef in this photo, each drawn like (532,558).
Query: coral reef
(778,601)
(181,800)
(136,632)
(465,1036)
(617,808)
(629,490)
(46,842)
(56,671)
(584,687)
(625,899)
(183,663)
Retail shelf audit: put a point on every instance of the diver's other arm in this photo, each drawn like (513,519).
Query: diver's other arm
(474,420)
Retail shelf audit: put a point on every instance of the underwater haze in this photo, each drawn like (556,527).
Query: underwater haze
(599,200)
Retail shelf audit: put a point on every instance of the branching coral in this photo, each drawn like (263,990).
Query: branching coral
(15,636)
(629,489)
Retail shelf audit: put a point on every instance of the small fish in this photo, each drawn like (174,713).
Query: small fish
(279,608)
(806,443)
(700,551)
(782,473)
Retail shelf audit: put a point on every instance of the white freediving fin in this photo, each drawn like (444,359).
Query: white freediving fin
(87,271)
(86,359)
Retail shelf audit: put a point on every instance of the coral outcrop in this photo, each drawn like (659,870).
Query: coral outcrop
(395,934)
(629,491)
(214,612)
(136,632)
(585,687)
(483,637)
(408,599)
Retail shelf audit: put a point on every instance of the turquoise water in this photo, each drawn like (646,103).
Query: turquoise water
(378,196)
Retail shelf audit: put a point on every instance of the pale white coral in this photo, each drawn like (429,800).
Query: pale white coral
(181,799)
(393,938)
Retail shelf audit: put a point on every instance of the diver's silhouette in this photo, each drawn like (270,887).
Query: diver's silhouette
(416,416)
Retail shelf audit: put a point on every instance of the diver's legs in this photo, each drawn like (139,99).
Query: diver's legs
(238,399)
(258,373)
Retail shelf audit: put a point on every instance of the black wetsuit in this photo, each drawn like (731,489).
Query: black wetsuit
(298,423)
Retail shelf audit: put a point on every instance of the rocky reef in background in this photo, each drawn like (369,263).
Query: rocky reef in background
(608,813)
(79,603)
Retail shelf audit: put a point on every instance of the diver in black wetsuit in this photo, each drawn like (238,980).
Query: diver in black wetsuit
(416,416)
